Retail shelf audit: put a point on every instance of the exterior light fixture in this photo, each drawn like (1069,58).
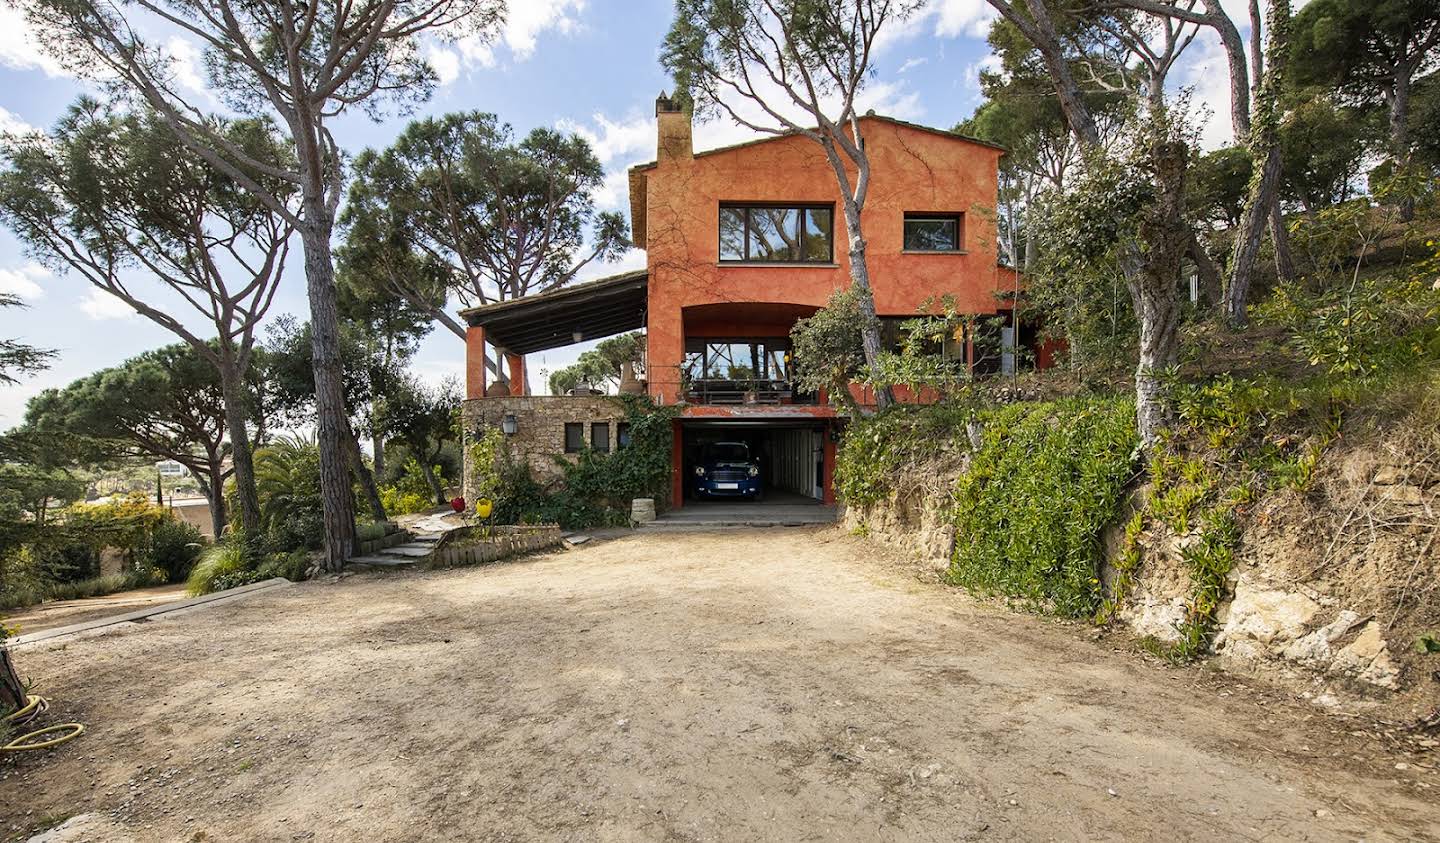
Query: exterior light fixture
(508,424)
(576,336)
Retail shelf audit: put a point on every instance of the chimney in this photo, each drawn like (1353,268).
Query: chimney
(673,125)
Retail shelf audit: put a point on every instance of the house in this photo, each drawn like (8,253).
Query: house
(741,242)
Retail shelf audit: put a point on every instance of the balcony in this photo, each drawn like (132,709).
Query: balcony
(725,391)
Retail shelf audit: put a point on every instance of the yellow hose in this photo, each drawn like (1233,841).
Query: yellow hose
(34,706)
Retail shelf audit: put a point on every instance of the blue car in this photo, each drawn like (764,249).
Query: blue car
(726,469)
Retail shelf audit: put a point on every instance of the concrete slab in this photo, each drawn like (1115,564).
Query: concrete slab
(416,550)
(150,612)
(745,514)
(384,561)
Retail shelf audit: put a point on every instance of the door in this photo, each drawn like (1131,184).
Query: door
(817,450)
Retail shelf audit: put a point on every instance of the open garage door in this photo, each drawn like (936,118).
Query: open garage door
(788,458)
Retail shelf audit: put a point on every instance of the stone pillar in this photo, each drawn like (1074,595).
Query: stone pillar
(475,362)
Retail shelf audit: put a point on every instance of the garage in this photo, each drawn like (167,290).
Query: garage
(754,462)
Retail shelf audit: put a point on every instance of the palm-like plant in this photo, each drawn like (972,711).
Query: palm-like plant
(287,478)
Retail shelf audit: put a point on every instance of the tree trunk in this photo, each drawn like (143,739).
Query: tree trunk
(330,423)
(377,442)
(1265,157)
(12,691)
(1211,287)
(1247,239)
(1400,131)
(432,481)
(362,474)
(247,498)
(1280,239)
(1167,237)
(869,322)
(214,489)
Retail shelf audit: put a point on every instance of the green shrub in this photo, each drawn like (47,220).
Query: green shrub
(1041,488)
(219,561)
(236,562)
(399,502)
(174,547)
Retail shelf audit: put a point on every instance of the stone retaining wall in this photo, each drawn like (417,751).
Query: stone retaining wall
(471,545)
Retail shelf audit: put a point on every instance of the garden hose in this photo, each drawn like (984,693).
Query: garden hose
(36,705)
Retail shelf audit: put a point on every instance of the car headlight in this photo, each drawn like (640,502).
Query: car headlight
(699,471)
(754,471)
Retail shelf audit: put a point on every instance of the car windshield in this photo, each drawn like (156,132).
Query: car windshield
(729,452)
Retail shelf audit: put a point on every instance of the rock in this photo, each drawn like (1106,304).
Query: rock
(84,827)
(1407,495)
(1266,615)
(1387,475)
(1369,659)
(1314,649)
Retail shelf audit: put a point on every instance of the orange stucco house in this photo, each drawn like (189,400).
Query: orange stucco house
(740,242)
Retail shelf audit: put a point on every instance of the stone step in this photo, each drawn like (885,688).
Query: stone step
(416,550)
(425,538)
(382,561)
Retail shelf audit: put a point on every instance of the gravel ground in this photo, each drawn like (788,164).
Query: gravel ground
(764,684)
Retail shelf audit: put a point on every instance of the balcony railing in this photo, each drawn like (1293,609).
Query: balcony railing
(719,391)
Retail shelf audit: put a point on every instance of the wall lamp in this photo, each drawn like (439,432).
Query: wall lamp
(509,424)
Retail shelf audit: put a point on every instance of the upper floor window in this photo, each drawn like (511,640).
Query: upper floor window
(777,233)
(927,232)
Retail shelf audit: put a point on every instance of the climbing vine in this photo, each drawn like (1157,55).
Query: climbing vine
(1029,514)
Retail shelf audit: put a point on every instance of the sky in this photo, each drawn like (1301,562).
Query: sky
(585,66)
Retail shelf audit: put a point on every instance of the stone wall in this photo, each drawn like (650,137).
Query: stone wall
(540,428)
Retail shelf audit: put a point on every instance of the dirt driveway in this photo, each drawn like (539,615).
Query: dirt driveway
(780,684)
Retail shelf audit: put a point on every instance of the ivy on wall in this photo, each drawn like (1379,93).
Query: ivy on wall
(1045,481)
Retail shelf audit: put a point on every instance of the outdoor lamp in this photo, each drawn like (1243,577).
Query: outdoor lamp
(508,424)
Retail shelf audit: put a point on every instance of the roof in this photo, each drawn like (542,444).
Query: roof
(637,172)
(649,165)
(593,309)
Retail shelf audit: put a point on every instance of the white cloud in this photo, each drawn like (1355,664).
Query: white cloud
(23,282)
(612,139)
(20,46)
(962,18)
(911,64)
(11,124)
(185,64)
(445,62)
(618,144)
(526,20)
(100,306)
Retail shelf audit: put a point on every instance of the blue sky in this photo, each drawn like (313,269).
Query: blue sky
(588,66)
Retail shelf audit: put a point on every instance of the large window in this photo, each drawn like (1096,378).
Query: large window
(738,360)
(926,232)
(777,233)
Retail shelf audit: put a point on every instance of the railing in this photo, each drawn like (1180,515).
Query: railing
(746,392)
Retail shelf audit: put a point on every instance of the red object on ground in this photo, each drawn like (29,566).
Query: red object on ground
(457,504)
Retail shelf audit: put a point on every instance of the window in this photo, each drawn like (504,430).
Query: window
(622,435)
(932,232)
(738,359)
(600,436)
(777,233)
(574,437)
